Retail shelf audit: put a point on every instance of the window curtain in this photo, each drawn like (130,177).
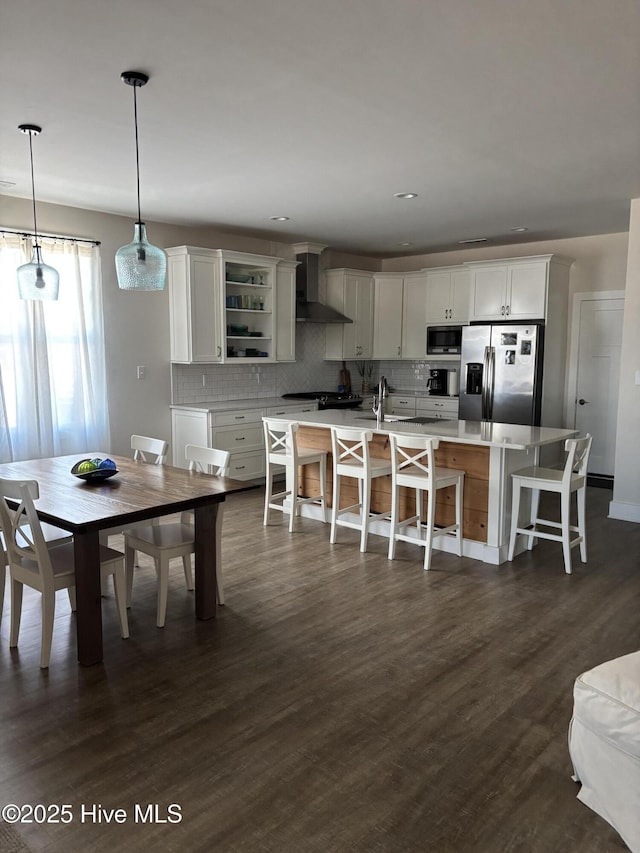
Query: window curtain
(52,355)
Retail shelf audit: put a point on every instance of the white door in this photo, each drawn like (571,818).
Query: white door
(596,400)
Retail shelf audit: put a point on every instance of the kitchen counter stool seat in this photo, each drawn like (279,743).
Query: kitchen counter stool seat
(169,541)
(351,458)
(572,478)
(413,466)
(282,449)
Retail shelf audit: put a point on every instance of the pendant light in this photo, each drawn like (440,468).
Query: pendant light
(36,280)
(139,265)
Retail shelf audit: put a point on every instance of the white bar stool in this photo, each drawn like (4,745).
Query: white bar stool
(413,466)
(564,481)
(282,449)
(351,458)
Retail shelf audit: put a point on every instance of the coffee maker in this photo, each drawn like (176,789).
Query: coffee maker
(437,382)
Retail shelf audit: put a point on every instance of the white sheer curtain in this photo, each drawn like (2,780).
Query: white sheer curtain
(52,355)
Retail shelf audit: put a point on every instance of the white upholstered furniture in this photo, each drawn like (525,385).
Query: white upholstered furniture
(282,450)
(604,743)
(572,478)
(413,466)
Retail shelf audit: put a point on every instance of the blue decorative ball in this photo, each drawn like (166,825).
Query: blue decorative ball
(108,463)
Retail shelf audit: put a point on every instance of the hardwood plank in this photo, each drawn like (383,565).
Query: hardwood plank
(339,702)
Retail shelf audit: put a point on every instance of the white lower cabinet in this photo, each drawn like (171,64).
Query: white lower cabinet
(399,404)
(239,431)
(445,408)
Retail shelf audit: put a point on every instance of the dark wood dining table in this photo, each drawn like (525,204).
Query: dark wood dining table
(137,492)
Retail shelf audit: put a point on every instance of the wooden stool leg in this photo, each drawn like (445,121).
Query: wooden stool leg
(268,490)
(394,522)
(365,501)
(535,508)
(334,508)
(323,489)
(431,520)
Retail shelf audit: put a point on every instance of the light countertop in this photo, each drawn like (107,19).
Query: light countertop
(232,405)
(481,433)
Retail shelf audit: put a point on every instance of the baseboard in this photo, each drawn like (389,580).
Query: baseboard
(624,512)
(600,481)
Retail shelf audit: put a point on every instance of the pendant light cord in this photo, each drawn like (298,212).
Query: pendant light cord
(135,122)
(33,189)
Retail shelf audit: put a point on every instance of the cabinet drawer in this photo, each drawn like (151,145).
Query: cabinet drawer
(247,466)
(282,411)
(445,407)
(236,439)
(400,405)
(245,416)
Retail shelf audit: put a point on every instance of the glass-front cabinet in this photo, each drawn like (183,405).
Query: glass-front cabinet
(222,305)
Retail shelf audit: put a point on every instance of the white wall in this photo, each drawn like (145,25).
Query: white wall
(137,324)
(626,491)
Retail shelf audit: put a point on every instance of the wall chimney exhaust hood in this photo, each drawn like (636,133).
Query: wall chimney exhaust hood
(308,307)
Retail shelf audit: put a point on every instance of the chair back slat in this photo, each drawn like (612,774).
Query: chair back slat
(578,450)
(280,438)
(413,454)
(350,446)
(21,527)
(152,450)
(208,460)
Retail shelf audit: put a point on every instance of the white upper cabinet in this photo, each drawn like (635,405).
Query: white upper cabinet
(414,315)
(351,293)
(399,315)
(515,289)
(387,315)
(286,311)
(224,306)
(195,305)
(448,295)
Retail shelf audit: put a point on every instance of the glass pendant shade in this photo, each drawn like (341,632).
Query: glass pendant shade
(37,280)
(139,265)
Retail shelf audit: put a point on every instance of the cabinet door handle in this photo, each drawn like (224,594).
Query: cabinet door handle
(398,350)
(241,438)
(219,351)
(239,467)
(508,310)
(282,413)
(581,401)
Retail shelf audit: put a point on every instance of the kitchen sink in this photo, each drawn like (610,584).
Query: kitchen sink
(394,419)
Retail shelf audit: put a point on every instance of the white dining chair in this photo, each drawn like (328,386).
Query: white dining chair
(413,466)
(282,450)
(45,569)
(168,541)
(153,451)
(52,536)
(352,459)
(570,479)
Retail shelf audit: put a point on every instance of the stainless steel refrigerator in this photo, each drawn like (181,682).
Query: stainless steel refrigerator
(501,367)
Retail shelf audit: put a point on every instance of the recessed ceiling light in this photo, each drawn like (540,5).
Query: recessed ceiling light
(279,218)
(405,244)
(405,195)
(520,229)
(474,240)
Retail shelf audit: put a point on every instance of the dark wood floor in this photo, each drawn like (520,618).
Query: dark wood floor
(340,702)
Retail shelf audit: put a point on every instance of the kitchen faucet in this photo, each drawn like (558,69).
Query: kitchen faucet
(379,400)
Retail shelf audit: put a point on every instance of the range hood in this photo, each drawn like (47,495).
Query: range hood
(308,307)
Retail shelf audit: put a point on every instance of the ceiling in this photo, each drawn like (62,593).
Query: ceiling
(499,113)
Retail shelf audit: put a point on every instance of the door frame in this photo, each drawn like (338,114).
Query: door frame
(572,370)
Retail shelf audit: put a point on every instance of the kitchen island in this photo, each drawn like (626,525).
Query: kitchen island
(486,452)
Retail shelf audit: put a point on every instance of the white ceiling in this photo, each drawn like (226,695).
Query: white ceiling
(498,113)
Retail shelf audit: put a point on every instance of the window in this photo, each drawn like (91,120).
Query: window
(52,357)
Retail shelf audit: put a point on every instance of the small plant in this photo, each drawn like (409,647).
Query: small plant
(365,369)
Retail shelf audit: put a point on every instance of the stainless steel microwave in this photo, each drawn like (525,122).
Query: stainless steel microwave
(444,340)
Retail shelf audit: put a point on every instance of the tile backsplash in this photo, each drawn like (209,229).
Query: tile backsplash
(201,383)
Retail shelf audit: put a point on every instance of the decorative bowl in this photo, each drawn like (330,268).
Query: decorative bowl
(238,278)
(97,474)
